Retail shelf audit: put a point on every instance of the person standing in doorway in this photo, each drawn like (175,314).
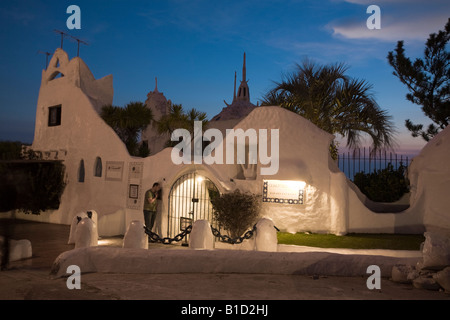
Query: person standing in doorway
(150,205)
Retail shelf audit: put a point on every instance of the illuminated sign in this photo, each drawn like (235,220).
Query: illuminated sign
(283,191)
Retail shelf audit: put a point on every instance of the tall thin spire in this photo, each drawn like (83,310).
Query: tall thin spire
(243,91)
(241,104)
(156,84)
(234,91)
(244,71)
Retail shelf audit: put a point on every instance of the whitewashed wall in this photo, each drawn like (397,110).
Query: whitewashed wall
(330,205)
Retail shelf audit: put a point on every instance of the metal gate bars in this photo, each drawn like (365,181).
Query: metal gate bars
(189,198)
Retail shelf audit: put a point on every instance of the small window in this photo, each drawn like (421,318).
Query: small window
(54,116)
(81,171)
(98,167)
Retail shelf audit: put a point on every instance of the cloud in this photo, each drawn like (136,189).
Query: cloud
(400,21)
(325,52)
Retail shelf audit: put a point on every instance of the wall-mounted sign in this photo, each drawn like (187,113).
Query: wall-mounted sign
(114,170)
(283,191)
(135,172)
(133,191)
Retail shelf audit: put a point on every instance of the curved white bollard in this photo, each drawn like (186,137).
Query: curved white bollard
(266,236)
(19,249)
(93,215)
(73,226)
(86,234)
(201,236)
(135,236)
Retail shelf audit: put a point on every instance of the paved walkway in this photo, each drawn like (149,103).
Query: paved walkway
(29,279)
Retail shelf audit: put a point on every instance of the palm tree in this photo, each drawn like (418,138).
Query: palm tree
(177,118)
(128,123)
(335,103)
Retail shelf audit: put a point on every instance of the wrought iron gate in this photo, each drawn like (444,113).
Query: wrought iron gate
(189,198)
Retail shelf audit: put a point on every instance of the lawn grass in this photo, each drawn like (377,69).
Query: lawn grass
(354,240)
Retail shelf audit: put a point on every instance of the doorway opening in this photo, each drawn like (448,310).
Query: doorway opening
(189,198)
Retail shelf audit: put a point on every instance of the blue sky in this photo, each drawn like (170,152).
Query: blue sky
(194,48)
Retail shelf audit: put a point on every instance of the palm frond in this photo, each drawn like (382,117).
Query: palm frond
(335,102)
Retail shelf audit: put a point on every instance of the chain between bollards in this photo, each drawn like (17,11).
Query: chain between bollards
(228,239)
(167,240)
(224,238)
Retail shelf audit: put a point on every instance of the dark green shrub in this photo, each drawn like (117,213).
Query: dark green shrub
(46,185)
(8,193)
(385,185)
(143,151)
(10,150)
(31,186)
(236,211)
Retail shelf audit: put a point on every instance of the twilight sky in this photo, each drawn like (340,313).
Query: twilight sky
(194,48)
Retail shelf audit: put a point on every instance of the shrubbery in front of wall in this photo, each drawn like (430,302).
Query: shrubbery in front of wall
(32,186)
(10,150)
(236,211)
(385,185)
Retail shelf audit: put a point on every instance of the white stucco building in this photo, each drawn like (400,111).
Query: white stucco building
(307,193)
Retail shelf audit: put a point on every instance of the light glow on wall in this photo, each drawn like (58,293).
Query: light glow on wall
(107,242)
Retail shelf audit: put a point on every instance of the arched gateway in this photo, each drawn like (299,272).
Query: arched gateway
(189,197)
